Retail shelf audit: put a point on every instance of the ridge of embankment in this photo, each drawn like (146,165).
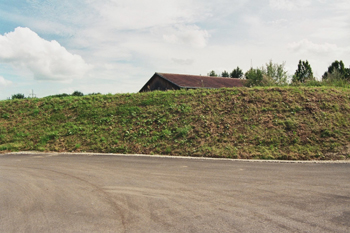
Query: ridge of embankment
(266,123)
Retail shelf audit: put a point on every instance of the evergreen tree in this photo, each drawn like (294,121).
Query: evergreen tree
(236,73)
(225,74)
(303,73)
(212,73)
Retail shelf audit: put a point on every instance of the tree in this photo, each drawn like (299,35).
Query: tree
(255,77)
(303,73)
(337,70)
(270,75)
(277,73)
(225,74)
(236,73)
(77,93)
(18,96)
(212,73)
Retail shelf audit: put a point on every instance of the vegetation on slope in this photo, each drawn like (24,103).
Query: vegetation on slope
(268,123)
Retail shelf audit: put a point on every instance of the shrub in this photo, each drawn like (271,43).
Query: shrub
(18,96)
(77,93)
(258,77)
(272,75)
(335,79)
(254,77)
(337,70)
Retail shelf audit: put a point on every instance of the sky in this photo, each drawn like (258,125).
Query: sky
(115,46)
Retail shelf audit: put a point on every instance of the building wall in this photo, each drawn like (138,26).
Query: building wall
(160,84)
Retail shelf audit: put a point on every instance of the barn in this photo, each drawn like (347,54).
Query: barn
(164,81)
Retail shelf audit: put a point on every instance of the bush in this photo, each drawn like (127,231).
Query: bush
(338,71)
(272,74)
(307,83)
(77,93)
(59,95)
(335,79)
(254,77)
(258,77)
(18,96)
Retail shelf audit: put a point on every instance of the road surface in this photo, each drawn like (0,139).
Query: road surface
(110,193)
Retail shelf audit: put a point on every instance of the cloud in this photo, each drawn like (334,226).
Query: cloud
(47,60)
(4,82)
(289,4)
(126,41)
(306,46)
(190,34)
(140,14)
(183,61)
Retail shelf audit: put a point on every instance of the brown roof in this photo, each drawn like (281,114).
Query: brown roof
(197,81)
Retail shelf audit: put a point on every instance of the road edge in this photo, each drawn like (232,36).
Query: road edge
(178,157)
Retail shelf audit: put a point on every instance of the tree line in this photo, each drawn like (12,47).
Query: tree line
(75,93)
(236,73)
(274,74)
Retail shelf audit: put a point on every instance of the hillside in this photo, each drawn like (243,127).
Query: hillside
(268,123)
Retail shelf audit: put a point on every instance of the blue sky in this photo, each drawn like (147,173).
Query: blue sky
(115,46)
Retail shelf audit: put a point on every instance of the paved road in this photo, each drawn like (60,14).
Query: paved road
(104,193)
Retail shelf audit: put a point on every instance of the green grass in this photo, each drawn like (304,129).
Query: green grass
(266,123)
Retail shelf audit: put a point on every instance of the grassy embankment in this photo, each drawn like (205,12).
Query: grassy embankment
(268,123)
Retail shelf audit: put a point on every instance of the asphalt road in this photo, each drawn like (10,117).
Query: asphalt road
(104,193)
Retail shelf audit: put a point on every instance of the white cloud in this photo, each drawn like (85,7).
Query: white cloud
(289,4)
(4,82)
(126,41)
(281,4)
(183,61)
(47,60)
(139,14)
(306,46)
(320,55)
(191,35)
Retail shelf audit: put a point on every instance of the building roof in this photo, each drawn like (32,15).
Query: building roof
(197,81)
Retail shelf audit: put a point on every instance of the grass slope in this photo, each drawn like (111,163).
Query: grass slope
(268,123)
